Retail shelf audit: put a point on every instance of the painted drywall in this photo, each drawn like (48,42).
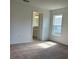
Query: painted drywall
(20,22)
(64,36)
(46,20)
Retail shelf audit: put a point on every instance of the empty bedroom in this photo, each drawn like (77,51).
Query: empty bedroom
(38,29)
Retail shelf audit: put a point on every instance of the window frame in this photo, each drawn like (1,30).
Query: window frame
(53,33)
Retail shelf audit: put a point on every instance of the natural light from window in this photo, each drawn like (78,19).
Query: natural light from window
(35,19)
(47,44)
(57,25)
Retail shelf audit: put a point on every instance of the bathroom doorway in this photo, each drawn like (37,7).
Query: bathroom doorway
(36,25)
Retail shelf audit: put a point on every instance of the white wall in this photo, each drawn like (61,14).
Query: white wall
(21,26)
(21,22)
(64,36)
(46,20)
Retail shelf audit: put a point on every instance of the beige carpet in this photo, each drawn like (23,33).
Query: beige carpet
(39,50)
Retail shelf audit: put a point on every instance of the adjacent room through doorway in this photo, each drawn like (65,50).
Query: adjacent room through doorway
(36,25)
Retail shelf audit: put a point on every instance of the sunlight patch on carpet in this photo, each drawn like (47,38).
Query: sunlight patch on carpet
(47,44)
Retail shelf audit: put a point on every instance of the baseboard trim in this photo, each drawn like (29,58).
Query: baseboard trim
(20,43)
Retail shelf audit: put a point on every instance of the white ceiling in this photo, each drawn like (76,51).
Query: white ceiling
(48,4)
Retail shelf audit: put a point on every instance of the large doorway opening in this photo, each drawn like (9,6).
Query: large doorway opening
(36,25)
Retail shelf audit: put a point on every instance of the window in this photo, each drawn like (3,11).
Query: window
(57,25)
(35,19)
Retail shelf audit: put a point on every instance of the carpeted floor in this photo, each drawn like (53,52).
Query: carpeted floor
(38,50)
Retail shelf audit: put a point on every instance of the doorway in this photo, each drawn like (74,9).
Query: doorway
(36,25)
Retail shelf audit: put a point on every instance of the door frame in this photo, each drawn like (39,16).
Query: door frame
(40,24)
